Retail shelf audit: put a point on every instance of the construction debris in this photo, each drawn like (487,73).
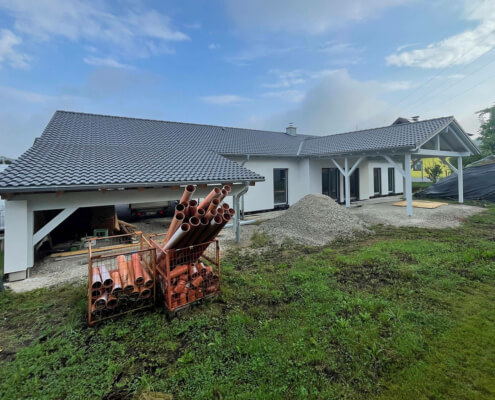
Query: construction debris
(184,261)
(120,279)
(188,263)
(315,220)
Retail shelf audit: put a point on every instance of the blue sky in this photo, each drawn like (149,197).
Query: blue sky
(328,66)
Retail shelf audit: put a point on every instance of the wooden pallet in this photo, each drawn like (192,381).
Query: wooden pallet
(421,204)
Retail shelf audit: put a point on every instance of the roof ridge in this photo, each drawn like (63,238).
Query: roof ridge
(177,122)
(380,127)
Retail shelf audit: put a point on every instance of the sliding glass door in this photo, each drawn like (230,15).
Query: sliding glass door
(330,182)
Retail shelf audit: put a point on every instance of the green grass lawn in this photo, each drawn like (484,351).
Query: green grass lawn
(406,314)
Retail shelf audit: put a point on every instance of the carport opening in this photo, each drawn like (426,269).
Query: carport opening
(69,235)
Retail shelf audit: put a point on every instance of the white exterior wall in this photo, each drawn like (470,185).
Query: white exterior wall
(18,237)
(384,165)
(260,196)
(304,177)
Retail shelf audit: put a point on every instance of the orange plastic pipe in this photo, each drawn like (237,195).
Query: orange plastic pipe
(177,236)
(197,281)
(224,194)
(214,204)
(193,206)
(200,213)
(126,280)
(105,276)
(96,278)
(117,284)
(178,271)
(208,232)
(174,225)
(211,289)
(135,294)
(137,269)
(111,302)
(101,301)
(216,192)
(181,285)
(193,271)
(185,241)
(148,281)
(188,192)
(144,292)
(211,214)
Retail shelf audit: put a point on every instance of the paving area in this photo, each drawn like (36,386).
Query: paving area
(382,211)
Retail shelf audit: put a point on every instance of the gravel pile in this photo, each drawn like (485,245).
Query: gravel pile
(314,220)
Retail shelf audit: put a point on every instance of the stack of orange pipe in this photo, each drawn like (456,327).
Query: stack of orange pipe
(131,278)
(189,282)
(196,224)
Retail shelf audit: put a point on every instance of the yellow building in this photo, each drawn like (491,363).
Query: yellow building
(419,173)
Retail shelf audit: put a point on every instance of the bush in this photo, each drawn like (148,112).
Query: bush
(433,173)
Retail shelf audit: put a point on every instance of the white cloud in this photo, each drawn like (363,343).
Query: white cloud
(406,46)
(290,96)
(462,48)
(337,103)
(223,99)
(8,53)
(287,79)
(315,17)
(213,46)
(134,32)
(105,62)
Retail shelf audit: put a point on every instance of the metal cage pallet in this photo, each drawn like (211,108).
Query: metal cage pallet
(121,276)
(187,275)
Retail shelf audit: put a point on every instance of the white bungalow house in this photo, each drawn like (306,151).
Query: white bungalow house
(88,160)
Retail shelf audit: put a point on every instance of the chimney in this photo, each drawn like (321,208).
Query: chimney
(291,130)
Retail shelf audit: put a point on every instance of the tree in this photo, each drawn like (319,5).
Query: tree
(433,172)
(487,130)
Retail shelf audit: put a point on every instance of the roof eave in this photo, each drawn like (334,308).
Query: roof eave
(117,186)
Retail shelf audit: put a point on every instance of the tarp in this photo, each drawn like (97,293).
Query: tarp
(479,184)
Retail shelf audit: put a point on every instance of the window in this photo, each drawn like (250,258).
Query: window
(391,180)
(325,181)
(418,166)
(280,186)
(377,180)
(330,182)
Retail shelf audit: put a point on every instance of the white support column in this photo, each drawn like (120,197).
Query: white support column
(460,180)
(347,183)
(408,183)
(18,239)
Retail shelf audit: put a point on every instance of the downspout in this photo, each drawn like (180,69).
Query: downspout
(248,156)
(237,218)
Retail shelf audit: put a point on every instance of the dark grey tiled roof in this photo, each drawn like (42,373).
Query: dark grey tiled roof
(394,137)
(78,149)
